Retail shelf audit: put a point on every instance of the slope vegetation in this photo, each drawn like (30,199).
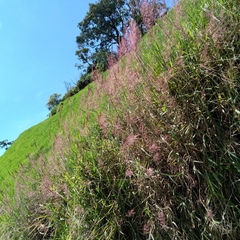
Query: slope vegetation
(149,151)
(38,140)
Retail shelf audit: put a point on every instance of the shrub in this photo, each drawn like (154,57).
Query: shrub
(53,101)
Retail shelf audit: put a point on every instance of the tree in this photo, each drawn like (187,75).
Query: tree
(5,144)
(53,101)
(146,12)
(143,15)
(108,24)
(101,28)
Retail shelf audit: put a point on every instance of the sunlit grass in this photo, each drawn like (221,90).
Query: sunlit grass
(152,149)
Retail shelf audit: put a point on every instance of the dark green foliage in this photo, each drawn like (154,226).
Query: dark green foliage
(101,28)
(105,25)
(57,108)
(5,144)
(85,79)
(53,101)
(145,13)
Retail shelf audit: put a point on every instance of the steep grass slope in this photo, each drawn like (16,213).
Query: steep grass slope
(39,139)
(153,152)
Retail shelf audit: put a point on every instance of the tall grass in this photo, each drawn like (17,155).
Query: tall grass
(158,156)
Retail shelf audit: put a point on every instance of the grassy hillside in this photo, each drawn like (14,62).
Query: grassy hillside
(38,139)
(149,151)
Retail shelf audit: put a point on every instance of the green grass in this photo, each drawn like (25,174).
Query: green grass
(149,151)
(39,139)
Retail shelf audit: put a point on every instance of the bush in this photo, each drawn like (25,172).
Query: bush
(53,101)
(84,80)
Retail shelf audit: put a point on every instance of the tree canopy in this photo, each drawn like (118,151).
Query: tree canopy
(5,144)
(53,101)
(101,28)
(104,25)
(146,12)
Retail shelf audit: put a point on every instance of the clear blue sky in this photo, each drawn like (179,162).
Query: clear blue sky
(37,56)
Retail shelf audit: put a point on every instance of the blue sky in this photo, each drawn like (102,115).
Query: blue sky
(37,57)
